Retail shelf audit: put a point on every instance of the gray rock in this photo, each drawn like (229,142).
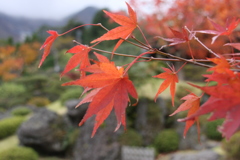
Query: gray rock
(75,114)
(103,146)
(201,155)
(45,131)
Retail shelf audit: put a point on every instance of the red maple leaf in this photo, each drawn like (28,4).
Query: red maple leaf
(235,45)
(230,25)
(180,37)
(80,57)
(47,45)
(128,24)
(171,79)
(110,89)
(192,104)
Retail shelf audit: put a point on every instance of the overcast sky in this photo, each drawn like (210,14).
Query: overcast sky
(54,9)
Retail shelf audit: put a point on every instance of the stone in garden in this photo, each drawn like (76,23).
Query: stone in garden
(45,131)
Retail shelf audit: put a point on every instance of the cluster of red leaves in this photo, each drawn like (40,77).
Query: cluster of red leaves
(109,87)
(224,99)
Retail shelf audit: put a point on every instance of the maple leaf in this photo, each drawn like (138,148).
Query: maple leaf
(222,64)
(180,37)
(192,104)
(80,57)
(171,79)
(235,45)
(110,90)
(128,25)
(47,45)
(230,25)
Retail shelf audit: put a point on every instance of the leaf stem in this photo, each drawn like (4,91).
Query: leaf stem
(149,46)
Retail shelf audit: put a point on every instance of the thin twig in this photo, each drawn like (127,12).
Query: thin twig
(183,59)
(149,47)
(196,38)
(144,36)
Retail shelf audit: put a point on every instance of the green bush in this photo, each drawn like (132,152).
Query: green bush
(73,93)
(12,94)
(8,126)
(211,130)
(232,147)
(19,153)
(166,141)
(21,111)
(39,101)
(131,138)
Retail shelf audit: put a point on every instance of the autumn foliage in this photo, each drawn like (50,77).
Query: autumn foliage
(108,86)
(12,59)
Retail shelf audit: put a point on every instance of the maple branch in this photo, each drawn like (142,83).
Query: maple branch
(148,58)
(135,60)
(196,38)
(182,59)
(100,24)
(78,27)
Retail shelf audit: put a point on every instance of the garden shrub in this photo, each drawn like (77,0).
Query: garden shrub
(232,147)
(131,138)
(19,153)
(212,131)
(12,94)
(72,93)
(39,101)
(166,141)
(21,111)
(8,126)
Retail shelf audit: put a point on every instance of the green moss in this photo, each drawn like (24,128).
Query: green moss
(232,147)
(73,93)
(19,153)
(8,126)
(166,141)
(21,111)
(211,130)
(39,101)
(131,138)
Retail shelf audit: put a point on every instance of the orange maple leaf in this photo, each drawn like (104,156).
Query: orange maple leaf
(171,79)
(47,45)
(80,57)
(110,89)
(222,65)
(192,104)
(128,24)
